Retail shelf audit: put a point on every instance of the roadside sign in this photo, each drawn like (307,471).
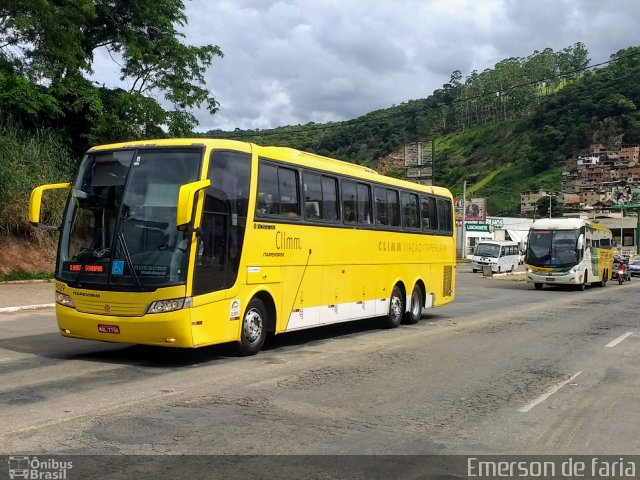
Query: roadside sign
(478,227)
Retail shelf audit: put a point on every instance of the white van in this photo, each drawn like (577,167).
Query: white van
(501,256)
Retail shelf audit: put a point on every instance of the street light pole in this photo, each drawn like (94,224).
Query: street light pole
(463,248)
(621,229)
(549,205)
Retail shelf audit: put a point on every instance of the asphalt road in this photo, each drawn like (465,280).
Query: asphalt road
(503,369)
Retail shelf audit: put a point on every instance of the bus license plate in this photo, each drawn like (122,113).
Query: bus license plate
(551,279)
(108,328)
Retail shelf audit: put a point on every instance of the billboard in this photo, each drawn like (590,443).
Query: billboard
(626,196)
(475,209)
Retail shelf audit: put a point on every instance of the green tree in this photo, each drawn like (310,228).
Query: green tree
(542,207)
(55,42)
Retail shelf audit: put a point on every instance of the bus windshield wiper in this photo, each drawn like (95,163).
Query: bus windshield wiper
(127,257)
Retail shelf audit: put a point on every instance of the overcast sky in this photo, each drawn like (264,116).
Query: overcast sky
(292,62)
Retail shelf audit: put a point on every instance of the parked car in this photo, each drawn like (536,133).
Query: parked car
(634,266)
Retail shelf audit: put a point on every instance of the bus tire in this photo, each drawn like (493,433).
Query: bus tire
(538,286)
(583,285)
(603,282)
(415,307)
(396,308)
(254,328)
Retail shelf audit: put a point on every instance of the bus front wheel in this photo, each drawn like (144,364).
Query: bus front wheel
(254,328)
(583,285)
(396,308)
(415,309)
(538,286)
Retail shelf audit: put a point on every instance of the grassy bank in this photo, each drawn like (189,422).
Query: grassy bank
(28,159)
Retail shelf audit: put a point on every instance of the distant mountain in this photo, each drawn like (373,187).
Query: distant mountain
(504,130)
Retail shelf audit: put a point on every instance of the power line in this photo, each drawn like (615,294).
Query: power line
(405,112)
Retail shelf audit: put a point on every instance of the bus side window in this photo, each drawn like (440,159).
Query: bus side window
(288,185)
(349,201)
(267,190)
(429,216)
(394,207)
(444,216)
(364,203)
(380,198)
(277,191)
(312,186)
(330,198)
(410,210)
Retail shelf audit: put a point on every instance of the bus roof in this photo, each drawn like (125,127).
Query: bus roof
(285,154)
(565,224)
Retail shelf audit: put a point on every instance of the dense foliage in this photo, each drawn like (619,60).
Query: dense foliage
(47,48)
(505,130)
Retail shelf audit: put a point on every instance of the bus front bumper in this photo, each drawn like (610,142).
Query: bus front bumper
(569,278)
(171,329)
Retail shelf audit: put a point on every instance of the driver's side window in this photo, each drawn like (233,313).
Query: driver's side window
(219,242)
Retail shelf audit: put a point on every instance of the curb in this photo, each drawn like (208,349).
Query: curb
(517,276)
(41,306)
(21,282)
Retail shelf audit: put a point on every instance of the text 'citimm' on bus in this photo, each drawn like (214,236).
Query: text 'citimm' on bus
(193,242)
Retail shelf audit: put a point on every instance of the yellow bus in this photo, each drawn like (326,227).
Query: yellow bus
(569,251)
(194,242)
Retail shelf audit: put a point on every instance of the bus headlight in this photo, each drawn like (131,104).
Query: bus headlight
(64,300)
(163,306)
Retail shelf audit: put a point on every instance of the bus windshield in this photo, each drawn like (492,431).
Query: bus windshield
(487,250)
(553,248)
(122,214)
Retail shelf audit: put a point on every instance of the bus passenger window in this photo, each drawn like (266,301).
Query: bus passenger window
(349,200)
(364,203)
(287,181)
(329,198)
(394,208)
(410,210)
(277,191)
(267,190)
(312,187)
(444,215)
(380,198)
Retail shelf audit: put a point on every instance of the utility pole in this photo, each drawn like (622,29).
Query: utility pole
(463,249)
(549,204)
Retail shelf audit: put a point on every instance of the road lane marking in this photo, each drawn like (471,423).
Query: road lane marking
(546,395)
(615,342)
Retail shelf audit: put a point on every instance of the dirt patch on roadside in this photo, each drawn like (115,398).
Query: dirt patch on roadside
(27,255)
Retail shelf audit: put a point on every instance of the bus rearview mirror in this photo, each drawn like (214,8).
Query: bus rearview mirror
(186,196)
(35,203)
(580,243)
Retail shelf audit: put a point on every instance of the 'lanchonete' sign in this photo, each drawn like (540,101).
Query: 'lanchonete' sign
(478,227)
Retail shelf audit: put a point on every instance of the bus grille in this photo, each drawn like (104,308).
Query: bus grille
(447,282)
(133,309)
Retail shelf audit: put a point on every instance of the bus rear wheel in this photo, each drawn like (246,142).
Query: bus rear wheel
(254,328)
(415,308)
(396,309)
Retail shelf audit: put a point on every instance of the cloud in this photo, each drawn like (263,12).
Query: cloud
(291,62)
